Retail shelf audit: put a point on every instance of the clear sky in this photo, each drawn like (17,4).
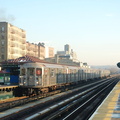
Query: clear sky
(90,27)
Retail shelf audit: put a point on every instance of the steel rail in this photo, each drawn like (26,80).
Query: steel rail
(64,102)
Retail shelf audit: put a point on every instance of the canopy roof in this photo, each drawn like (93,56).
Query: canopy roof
(24,59)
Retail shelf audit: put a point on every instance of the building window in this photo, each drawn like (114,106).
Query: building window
(2,36)
(2,43)
(3,29)
(2,50)
(2,56)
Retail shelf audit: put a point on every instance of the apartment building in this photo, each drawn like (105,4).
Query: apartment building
(39,50)
(50,52)
(12,41)
(67,49)
(31,49)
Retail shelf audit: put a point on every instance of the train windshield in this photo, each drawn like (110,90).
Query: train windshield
(31,70)
(23,71)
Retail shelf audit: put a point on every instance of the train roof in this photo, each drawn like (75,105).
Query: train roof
(52,65)
(31,59)
(49,65)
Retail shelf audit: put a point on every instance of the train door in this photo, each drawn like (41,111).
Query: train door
(46,77)
(72,75)
(77,75)
(22,77)
(88,75)
(81,74)
(38,81)
(74,72)
(65,71)
(69,76)
(86,71)
(30,76)
(60,76)
(52,78)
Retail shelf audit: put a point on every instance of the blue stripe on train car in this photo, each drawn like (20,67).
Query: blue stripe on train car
(14,79)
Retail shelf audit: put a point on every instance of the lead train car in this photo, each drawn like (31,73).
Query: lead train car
(36,78)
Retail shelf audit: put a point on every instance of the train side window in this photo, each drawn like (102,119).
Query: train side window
(52,74)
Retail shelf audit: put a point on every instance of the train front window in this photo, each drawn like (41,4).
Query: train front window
(23,71)
(31,70)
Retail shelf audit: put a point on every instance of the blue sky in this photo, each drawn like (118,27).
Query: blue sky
(90,27)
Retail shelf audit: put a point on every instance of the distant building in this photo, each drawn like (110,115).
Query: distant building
(68,52)
(31,49)
(41,50)
(68,57)
(73,55)
(51,52)
(67,49)
(61,53)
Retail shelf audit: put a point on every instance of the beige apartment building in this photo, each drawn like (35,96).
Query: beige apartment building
(13,44)
(12,41)
(36,50)
(50,52)
(39,50)
(31,49)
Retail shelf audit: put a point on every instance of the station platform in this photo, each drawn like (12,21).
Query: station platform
(110,107)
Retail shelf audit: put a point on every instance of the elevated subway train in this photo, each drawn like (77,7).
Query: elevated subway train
(43,77)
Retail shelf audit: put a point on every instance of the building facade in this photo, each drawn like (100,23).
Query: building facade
(41,51)
(50,52)
(68,52)
(12,41)
(31,49)
(67,49)
(68,57)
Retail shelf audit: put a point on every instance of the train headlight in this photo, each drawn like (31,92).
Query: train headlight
(36,82)
(21,83)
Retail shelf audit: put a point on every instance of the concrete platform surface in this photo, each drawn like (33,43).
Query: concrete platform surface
(110,107)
